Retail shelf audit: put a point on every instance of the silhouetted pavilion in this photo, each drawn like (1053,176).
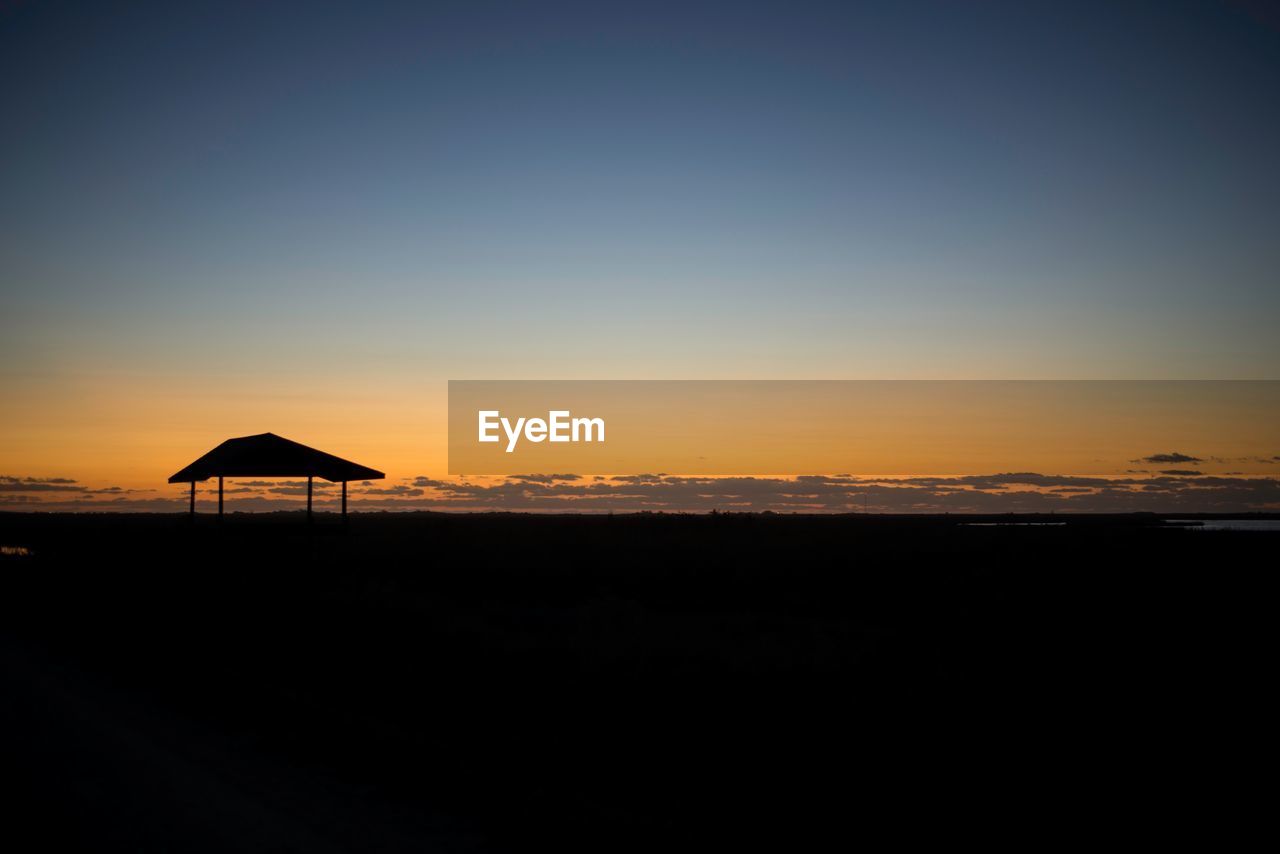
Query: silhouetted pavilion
(269,455)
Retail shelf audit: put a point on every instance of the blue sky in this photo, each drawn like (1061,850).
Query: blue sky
(706,190)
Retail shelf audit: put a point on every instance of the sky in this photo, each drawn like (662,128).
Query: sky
(220,219)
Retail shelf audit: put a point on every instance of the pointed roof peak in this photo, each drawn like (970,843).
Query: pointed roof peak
(269,455)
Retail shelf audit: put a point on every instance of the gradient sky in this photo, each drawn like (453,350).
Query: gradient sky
(219,219)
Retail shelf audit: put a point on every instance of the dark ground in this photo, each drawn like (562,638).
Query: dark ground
(493,682)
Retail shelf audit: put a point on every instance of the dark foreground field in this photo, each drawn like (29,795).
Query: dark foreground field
(427,682)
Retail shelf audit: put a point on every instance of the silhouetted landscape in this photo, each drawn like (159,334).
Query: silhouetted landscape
(638,427)
(643,682)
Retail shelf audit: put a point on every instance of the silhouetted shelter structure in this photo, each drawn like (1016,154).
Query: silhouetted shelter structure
(269,455)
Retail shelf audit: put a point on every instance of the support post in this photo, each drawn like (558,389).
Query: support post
(219,496)
(193,499)
(344,502)
(309,479)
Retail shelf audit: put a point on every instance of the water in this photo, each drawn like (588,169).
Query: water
(1229,524)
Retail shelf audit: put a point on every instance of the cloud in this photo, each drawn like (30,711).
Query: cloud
(1174,457)
(289,490)
(392,490)
(1167,492)
(10,486)
(1010,492)
(9,483)
(544,478)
